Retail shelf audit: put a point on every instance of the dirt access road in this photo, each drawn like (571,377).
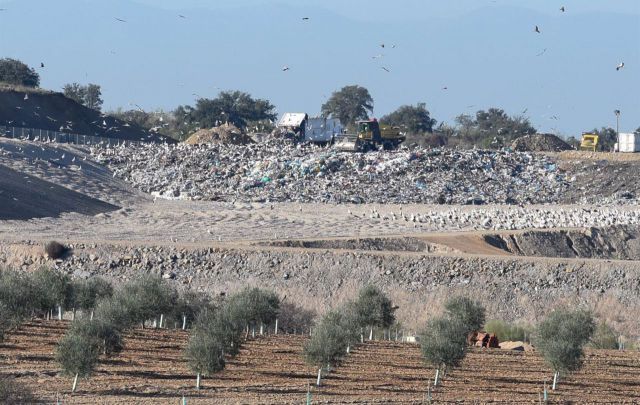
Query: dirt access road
(271,370)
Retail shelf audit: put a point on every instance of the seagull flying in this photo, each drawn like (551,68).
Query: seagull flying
(385,69)
(537,30)
(620,66)
(562,9)
(285,68)
(181,16)
(119,19)
(542,53)
(305,18)
(41,64)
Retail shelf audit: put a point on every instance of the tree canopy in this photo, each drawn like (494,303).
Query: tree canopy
(444,342)
(492,128)
(414,119)
(14,71)
(470,313)
(349,104)
(607,138)
(561,337)
(373,308)
(89,95)
(235,107)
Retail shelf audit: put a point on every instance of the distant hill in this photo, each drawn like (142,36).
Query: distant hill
(41,109)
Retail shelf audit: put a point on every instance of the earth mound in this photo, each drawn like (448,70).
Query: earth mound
(225,133)
(25,107)
(540,143)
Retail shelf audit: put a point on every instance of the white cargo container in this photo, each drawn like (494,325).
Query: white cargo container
(321,130)
(629,142)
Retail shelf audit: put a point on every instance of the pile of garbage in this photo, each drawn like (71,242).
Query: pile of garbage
(540,143)
(283,171)
(225,133)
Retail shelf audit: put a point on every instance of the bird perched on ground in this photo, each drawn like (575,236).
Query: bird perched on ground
(537,29)
(620,66)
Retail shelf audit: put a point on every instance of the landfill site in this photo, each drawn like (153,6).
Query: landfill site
(522,231)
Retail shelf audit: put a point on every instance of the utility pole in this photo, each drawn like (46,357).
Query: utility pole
(617,113)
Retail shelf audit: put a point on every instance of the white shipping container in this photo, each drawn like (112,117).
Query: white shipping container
(629,142)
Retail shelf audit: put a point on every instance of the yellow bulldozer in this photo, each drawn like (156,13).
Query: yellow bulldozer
(370,135)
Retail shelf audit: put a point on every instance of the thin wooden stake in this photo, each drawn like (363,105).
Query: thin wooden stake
(184,322)
(198,381)
(75,383)
(319,376)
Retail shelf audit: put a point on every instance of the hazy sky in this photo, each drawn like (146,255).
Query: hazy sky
(457,56)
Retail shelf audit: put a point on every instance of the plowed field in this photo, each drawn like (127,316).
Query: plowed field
(271,370)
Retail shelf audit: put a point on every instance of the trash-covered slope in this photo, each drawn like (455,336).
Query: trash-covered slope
(286,172)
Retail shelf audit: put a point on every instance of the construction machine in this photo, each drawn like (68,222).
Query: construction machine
(589,142)
(370,135)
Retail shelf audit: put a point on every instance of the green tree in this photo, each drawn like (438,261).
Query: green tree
(492,128)
(329,340)
(89,95)
(204,353)
(607,138)
(146,297)
(13,71)
(54,289)
(561,336)
(349,104)
(107,336)
(77,355)
(373,308)
(470,313)
(235,107)
(18,297)
(605,337)
(86,293)
(255,306)
(412,119)
(444,343)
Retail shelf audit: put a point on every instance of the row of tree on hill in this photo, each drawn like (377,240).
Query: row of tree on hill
(491,128)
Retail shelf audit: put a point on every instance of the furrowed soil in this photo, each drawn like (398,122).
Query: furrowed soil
(271,370)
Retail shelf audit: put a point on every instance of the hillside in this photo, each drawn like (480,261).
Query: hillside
(41,109)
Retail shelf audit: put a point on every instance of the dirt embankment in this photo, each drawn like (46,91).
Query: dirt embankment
(511,288)
(40,109)
(616,242)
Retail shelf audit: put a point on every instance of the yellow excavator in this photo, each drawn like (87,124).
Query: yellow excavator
(370,135)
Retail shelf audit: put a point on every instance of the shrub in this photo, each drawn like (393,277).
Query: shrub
(373,308)
(225,325)
(54,250)
(444,342)
(470,313)
(114,312)
(507,331)
(77,355)
(294,319)
(561,336)
(329,339)
(605,337)
(12,392)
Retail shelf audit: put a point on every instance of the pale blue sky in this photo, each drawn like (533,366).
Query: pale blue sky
(483,51)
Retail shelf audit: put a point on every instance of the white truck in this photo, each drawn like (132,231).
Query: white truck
(312,129)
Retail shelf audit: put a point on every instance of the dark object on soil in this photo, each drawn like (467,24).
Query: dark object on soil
(55,250)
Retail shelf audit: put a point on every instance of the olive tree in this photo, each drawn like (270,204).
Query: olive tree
(444,343)
(54,289)
(106,335)
(188,306)
(204,353)
(560,338)
(17,296)
(372,309)
(146,297)
(77,355)
(86,293)
(330,338)
(470,313)
(605,337)
(255,306)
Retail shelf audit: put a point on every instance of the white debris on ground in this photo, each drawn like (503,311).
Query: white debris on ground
(279,172)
